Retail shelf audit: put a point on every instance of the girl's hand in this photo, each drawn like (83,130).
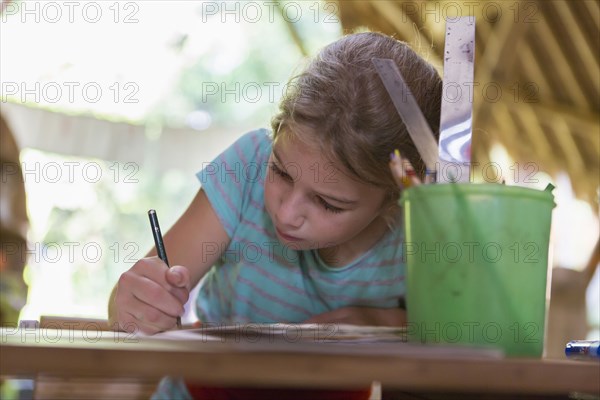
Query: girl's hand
(368,316)
(150,296)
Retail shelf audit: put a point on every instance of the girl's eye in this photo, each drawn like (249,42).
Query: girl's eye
(279,172)
(328,207)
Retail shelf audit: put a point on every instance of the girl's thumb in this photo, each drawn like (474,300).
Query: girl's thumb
(178,276)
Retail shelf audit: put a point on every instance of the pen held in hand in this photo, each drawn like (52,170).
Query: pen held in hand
(160,245)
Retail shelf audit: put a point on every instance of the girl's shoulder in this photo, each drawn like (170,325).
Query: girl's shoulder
(256,141)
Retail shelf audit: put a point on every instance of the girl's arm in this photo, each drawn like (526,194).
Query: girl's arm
(149,296)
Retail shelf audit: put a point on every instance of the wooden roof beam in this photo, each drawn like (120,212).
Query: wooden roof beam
(499,38)
(593,11)
(573,158)
(585,121)
(579,42)
(293,32)
(510,134)
(559,57)
(533,70)
(395,15)
(529,119)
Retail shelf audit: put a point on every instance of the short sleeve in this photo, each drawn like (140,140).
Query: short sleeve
(228,179)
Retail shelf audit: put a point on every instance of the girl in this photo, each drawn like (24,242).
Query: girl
(301,225)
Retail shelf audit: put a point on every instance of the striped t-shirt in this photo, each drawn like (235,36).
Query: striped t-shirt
(257,279)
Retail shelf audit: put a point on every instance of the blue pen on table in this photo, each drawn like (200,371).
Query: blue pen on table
(160,245)
(583,349)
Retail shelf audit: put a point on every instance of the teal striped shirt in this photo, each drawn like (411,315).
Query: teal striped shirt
(257,279)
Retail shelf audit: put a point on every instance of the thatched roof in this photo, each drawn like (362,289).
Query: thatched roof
(544,58)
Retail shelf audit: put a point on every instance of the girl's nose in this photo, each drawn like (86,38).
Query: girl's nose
(290,213)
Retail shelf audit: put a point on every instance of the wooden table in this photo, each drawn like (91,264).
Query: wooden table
(70,353)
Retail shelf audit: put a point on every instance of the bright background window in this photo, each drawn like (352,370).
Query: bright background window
(117,105)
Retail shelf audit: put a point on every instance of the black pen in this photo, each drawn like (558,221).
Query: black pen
(160,245)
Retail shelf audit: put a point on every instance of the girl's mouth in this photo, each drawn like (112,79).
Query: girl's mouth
(289,238)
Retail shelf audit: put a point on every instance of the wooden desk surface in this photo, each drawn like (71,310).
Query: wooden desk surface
(111,354)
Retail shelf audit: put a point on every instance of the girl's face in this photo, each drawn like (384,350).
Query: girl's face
(314,205)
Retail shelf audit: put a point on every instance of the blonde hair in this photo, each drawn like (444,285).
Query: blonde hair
(340,100)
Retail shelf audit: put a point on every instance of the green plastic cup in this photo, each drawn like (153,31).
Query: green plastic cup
(477,265)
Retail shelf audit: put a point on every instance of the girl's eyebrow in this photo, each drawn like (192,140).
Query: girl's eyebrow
(327,196)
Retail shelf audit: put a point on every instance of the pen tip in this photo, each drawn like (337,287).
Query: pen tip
(151,212)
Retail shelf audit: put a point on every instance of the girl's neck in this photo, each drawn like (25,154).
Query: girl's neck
(344,253)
